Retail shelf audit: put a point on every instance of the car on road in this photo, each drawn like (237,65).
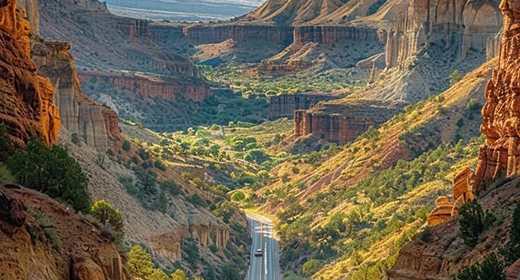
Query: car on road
(258,253)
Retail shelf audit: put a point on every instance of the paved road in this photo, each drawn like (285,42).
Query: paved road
(266,267)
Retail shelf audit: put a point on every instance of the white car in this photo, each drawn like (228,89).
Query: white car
(258,253)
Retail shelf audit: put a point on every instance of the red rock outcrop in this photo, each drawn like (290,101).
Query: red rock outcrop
(465,24)
(134,28)
(82,253)
(343,126)
(283,106)
(153,86)
(28,108)
(95,124)
(500,156)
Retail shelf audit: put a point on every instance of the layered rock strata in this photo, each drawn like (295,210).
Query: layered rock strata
(217,34)
(333,34)
(93,123)
(283,106)
(464,24)
(152,86)
(341,127)
(27,106)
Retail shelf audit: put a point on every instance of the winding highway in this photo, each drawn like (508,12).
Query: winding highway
(267,266)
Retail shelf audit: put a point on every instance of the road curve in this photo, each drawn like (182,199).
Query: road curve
(266,267)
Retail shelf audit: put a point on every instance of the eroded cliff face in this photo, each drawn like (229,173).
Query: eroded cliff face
(501,113)
(464,24)
(498,158)
(333,34)
(283,106)
(27,253)
(216,34)
(93,123)
(341,123)
(152,86)
(28,108)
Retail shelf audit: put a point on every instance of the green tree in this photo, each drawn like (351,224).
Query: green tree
(170,187)
(257,156)
(107,215)
(162,202)
(140,262)
(310,267)
(473,221)
(158,275)
(455,77)
(230,273)
(238,196)
(490,269)
(5,143)
(126,145)
(179,275)
(147,179)
(53,172)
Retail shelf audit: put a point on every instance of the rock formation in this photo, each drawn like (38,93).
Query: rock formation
(152,86)
(283,106)
(464,24)
(82,252)
(333,34)
(220,33)
(346,124)
(449,207)
(28,108)
(500,156)
(93,123)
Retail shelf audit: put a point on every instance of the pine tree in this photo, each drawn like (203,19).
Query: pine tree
(140,262)
(107,215)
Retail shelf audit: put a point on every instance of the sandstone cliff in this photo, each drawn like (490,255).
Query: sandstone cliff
(92,122)
(497,159)
(79,250)
(341,123)
(284,105)
(28,108)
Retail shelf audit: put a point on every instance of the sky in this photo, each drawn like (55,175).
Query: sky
(183,10)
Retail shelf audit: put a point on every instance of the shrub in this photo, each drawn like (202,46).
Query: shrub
(140,262)
(230,273)
(213,248)
(107,215)
(474,221)
(191,248)
(310,267)
(75,138)
(5,174)
(162,203)
(238,196)
(490,269)
(158,275)
(170,187)
(51,171)
(179,275)
(126,145)
(47,224)
(455,77)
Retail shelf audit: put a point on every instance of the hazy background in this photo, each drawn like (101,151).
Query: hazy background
(183,10)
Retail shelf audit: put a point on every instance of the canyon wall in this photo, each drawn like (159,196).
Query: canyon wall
(152,86)
(93,123)
(333,34)
(344,125)
(283,106)
(220,33)
(463,24)
(500,156)
(445,253)
(27,105)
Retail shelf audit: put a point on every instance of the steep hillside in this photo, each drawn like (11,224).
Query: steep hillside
(43,239)
(345,211)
